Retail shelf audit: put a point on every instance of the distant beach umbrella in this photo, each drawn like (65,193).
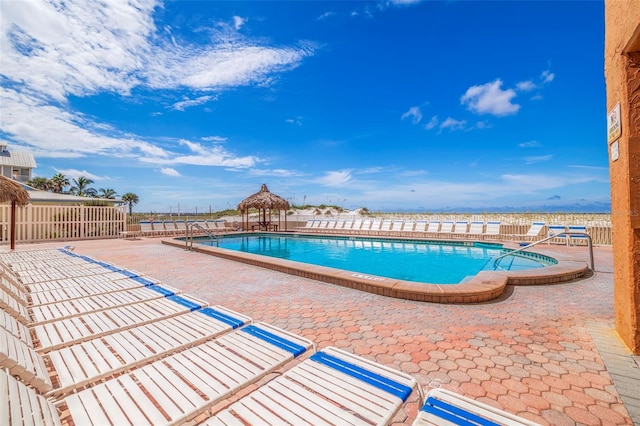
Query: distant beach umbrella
(11,191)
(263,200)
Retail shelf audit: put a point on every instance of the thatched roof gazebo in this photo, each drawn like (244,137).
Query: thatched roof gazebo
(263,201)
(11,191)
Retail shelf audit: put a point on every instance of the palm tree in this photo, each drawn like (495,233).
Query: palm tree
(130,199)
(81,187)
(41,183)
(107,193)
(58,183)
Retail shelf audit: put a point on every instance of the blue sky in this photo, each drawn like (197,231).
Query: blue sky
(390,105)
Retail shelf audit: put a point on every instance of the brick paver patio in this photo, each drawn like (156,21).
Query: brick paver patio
(530,352)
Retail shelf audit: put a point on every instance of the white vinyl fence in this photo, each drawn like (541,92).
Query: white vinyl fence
(51,223)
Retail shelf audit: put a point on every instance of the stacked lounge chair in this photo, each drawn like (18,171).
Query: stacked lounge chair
(187,364)
(171,369)
(443,407)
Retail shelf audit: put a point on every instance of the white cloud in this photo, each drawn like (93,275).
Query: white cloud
(538,182)
(214,139)
(222,65)
(489,98)
(168,171)
(80,47)
(526,86)
(402,2)
(238,22)
(56,132)
(274,172)
(49,52)
(414,114)
(200,155)
(432,123)
(326,15)
(453,124)
(75,47)
(537,159)
(297,121)
(529,144)
(75,174)
(188,103)
(335,178)
(547,76)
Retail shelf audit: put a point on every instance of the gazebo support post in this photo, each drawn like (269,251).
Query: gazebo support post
(13,225)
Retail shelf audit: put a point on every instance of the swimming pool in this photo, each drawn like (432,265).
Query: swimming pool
(418,261)
(486,285)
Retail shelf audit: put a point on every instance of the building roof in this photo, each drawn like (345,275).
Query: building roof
(17,159)
(52,197)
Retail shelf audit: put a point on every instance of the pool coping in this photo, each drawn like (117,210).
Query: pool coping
(483,287)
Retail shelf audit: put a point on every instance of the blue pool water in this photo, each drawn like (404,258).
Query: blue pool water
(420,261)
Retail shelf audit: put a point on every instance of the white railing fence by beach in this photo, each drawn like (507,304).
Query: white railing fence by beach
(59,223)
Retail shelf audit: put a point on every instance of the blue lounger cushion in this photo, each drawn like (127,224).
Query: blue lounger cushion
(275,340)
(381,382)
(185,302)
(222,317)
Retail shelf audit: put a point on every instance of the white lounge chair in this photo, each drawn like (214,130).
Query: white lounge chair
(165,227)
(443,407)
(147,229)
(385,226)
(532,234)
(460,228)
(397,226)
(407,228)
(40,314)
(577,239)
(222,226)
(446,228)
(174,389)
(348,227)
(557,230)
(374,229)
(434,228)
(338,228)
(420,227)
(476,229)
(356,227)
(307,225)
(72,288)
(365,228)
(56,334)
(332,387)
(492,230)
(79,365)
(181,227)
(177,388)
(323,224)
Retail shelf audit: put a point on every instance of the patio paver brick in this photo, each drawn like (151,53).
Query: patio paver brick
(529,352)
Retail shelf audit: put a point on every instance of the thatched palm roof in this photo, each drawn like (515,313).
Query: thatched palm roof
(12,191)
(263,200)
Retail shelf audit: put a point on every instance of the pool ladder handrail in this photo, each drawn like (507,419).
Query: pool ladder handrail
(550,237)
(188,241)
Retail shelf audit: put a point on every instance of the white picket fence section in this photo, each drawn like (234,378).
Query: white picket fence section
(57,223)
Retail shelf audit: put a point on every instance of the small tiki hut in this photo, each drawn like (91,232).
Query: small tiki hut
(266,203)
(12,192)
